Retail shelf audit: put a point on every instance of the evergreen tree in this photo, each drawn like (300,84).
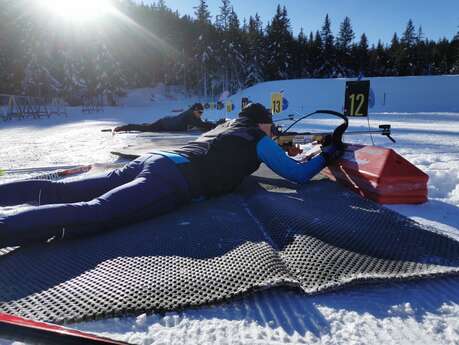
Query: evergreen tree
(315,49)
(237,65)
(344,46)
(301,56)
(280,42)
(223,18)
(422,54)
(406,58)
(409,37)
(255,51)
(379,60)
(203,48)
(328,54)
(392,66)
(362,55)
(109,77)
(38,81)
(346,36)
(223,45)
(455,53)
(72,84)
(202,12)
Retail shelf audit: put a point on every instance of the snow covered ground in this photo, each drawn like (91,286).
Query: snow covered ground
(416,312)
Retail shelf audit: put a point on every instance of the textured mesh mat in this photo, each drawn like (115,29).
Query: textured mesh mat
(268,234)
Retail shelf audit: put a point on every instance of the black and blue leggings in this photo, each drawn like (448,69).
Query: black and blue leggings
(148,186)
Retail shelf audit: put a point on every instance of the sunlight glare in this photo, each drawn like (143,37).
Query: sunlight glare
(78,10)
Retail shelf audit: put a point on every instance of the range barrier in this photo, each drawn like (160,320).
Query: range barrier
(93,104)
(22,107)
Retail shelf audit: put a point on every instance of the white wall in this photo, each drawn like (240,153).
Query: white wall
(392,94)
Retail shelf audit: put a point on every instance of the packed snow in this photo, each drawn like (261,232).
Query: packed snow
(415,312)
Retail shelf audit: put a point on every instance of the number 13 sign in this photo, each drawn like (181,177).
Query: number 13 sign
(276,103)
(356,98)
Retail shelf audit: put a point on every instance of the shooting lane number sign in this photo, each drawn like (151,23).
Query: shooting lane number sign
(276,103)
(229,106)
(244,102)
(356,98)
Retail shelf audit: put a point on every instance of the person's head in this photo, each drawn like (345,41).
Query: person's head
(198,109)
(258,114)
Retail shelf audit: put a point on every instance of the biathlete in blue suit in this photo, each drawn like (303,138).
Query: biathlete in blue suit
(214,164)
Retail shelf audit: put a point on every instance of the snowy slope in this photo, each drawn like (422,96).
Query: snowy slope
(418,312)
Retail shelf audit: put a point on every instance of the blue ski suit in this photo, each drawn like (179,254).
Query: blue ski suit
(150,185)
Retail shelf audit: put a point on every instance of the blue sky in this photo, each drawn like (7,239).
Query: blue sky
(378,19)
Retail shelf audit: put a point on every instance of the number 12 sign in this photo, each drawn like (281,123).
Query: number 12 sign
(356,98)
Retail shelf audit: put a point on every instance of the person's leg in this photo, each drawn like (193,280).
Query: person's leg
(160,188)
(43,192)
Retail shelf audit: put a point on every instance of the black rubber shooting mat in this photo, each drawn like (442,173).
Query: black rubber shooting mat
(269,233)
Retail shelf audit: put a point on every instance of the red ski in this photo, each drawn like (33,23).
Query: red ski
(16,328)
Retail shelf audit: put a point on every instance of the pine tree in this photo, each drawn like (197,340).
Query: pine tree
(328,54)
(203,49)
(38,81)
(362,55)
(455,52)
(72,83)
(301,56)
(202,12)
(237,65)
(110,80)
(378,60)
(421,54)
(409,37)
(316,61)
(223,18)
(393,52)
(223,45)
(406,58)
(346,36)
(255,51)
(344,45)
(280,42)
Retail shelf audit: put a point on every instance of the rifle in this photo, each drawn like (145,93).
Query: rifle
(290,141)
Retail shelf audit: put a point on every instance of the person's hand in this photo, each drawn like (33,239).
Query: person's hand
(331,153)
(337,136)
(219,122)
(293,151)
(334,148)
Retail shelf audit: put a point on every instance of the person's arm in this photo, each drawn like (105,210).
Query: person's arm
(196,122)
(208,125)
(145,127)
(275,158)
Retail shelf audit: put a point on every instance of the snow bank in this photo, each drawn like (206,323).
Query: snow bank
(150,95)
(392,94)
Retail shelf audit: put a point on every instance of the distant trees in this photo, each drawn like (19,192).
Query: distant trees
(206,54)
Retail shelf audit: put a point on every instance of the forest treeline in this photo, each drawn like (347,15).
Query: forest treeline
(138,45)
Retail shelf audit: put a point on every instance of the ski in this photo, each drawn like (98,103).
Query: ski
(59,172)
(62,173)
(37,169)
(15,328)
